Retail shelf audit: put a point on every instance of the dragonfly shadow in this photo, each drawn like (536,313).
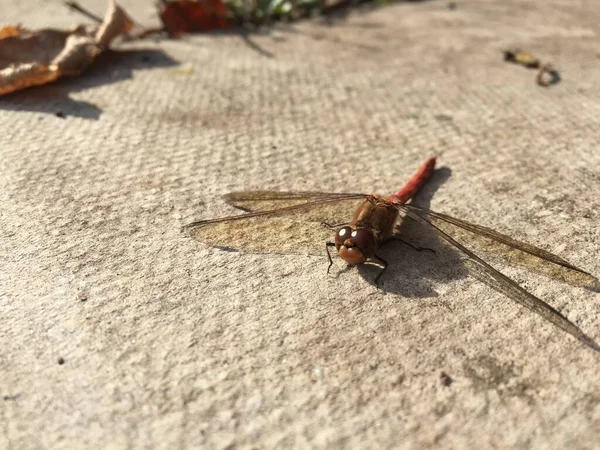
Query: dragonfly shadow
(413,272)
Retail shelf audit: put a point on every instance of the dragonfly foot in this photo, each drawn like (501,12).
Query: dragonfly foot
(327,245)
(384,263)
(414,247)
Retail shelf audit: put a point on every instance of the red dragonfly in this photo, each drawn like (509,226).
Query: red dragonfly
(298,223)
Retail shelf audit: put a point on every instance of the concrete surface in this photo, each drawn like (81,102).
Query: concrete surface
(167,343)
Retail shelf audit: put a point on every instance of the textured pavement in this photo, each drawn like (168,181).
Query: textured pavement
(168,343)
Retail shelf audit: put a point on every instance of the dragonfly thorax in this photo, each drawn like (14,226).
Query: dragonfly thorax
(355,246)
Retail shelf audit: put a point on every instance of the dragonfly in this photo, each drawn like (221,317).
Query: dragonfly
(296,222)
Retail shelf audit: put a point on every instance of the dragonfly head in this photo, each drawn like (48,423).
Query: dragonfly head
(355,246)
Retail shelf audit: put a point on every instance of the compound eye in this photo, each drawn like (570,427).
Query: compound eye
(364,240)
(342,234)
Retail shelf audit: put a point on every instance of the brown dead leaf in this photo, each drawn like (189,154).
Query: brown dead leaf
(9,31)
(188,16)
(35,57)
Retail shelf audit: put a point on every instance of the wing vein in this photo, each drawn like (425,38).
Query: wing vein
(588,279)
(274,212)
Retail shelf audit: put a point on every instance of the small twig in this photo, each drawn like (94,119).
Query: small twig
(138,33)
(80,9)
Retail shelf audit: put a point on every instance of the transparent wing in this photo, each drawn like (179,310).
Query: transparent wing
(515,252)
(502,283)
(268,200)
(299,225)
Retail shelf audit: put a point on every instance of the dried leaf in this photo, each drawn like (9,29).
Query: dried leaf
(116,22)
(9,31)
(188,16)
(30,58)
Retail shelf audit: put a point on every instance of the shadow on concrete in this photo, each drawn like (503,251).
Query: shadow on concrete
(110,67)
(411,273)
(338,15)
(341,10)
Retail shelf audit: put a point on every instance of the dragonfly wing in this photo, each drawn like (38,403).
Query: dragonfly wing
(268,200)
(297,228)
(505,285)
(512,250)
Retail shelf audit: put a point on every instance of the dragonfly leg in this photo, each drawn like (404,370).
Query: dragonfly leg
(327,245)
(385,266)
(419,249)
